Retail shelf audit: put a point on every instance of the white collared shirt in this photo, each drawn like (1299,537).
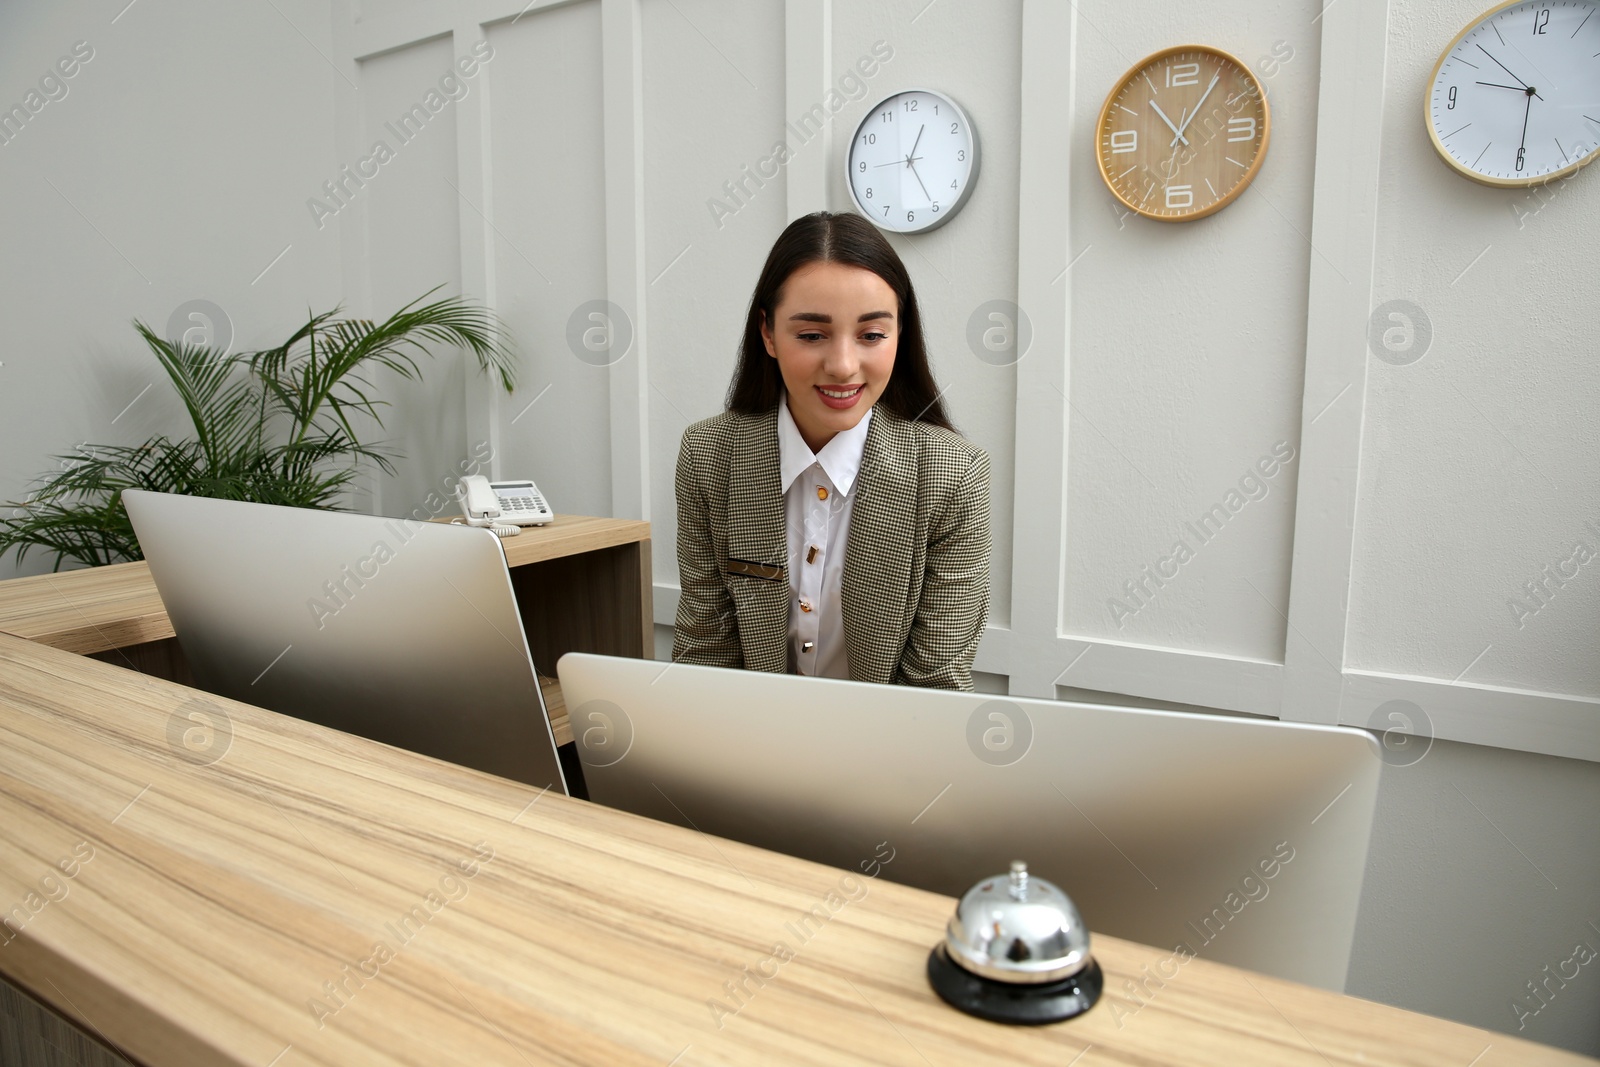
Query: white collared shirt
(817,507)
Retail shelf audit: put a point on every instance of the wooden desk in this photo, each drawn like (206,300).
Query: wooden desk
(232,908)
(583,583)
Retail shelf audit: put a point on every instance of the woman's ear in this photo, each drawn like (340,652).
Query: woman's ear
(766,336)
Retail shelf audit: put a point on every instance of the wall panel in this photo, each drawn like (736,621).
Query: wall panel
(1187,347)
(1480,459)
(408,208)
(546,172)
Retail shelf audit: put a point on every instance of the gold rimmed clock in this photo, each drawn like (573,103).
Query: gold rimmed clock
(1515,99)
(1183,133)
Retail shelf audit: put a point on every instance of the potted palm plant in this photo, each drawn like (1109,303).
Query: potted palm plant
(273,426)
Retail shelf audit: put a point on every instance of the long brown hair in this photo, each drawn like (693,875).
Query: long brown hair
(842,237)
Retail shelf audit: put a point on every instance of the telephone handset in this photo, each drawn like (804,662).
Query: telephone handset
(502,506)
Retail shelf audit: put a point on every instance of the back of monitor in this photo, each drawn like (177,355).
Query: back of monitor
(1232,839)
(400,631)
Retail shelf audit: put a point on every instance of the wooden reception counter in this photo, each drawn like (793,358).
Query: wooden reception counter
(189,880)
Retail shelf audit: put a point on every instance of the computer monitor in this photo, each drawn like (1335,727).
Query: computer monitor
(404,632)
(1231,839)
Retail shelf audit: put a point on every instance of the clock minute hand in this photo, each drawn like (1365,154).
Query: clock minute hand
(1525,86)
(1185,124)
(917,176)
(1176,134)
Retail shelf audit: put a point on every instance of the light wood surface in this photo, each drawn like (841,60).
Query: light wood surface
(221,894)
(91,610)
(570,535)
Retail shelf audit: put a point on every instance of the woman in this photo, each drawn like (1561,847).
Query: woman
(831,521)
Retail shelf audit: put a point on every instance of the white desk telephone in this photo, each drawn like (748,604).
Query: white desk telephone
(504,507)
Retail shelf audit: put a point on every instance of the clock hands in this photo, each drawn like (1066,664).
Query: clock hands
(911,163)
(924,188)
(1184,124)
(1185,117)
(1530,90)
(1522,147)
(1177,135)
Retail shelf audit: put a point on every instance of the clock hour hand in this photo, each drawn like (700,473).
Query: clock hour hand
(1530,90)
(1497,85)
(1176,134)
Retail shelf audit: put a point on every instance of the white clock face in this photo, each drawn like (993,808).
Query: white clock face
(913,162)
(1516,99)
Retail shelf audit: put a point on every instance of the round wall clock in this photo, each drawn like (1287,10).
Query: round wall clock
(1183,133)
(913,161)
(1515,99)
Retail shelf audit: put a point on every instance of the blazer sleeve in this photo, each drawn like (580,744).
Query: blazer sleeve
(707,630)
(955,589)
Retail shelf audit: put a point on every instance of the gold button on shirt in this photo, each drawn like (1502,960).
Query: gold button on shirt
(817,507)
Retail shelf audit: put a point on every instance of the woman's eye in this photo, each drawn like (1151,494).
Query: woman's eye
(875,335)
(810,336)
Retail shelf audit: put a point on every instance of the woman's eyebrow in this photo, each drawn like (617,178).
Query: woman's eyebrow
(818,316)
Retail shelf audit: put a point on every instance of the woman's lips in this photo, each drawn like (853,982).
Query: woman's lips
(840,403)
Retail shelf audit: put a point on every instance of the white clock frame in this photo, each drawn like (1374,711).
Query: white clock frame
(894,221)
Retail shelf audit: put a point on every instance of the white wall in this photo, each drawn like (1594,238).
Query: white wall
(407,215)
(579,167)
(175,168)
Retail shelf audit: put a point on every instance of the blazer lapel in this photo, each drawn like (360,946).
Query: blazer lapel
(757,535)
(876,585)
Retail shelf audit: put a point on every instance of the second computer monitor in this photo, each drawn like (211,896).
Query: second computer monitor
(1231,839)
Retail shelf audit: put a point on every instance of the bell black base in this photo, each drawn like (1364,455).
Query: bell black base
(1013,1002)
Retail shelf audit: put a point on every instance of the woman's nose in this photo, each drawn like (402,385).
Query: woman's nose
(842,358)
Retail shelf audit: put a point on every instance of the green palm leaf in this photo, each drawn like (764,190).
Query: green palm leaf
(273,426)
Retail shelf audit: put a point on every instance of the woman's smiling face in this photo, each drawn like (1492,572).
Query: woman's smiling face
(834,334)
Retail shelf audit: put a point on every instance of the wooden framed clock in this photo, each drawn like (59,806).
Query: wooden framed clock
(1183,133)
(1514,100)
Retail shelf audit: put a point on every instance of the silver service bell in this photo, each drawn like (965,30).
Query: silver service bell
(1016,951)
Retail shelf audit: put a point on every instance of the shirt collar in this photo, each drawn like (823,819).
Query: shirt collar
(840,458)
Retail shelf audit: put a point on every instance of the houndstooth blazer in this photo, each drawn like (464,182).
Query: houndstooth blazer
(915,588)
